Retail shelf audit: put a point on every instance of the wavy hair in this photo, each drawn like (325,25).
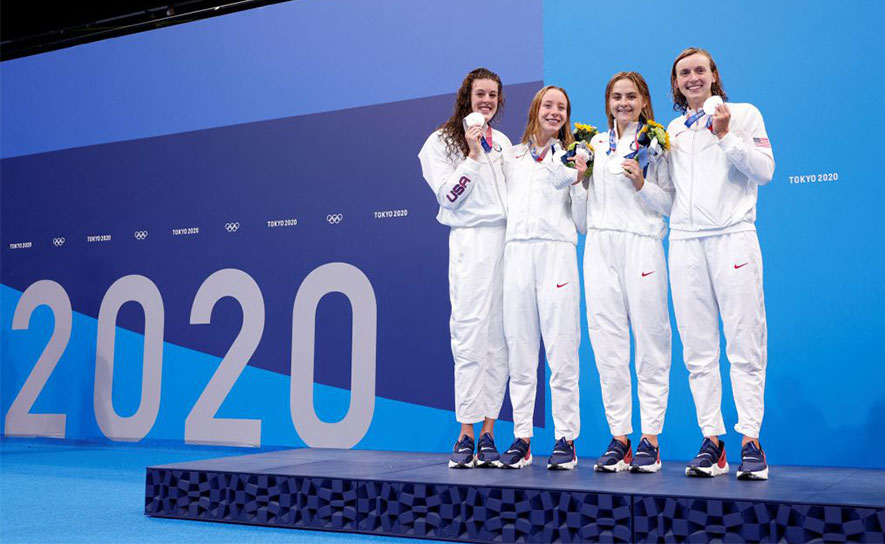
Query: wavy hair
(680,103)
(453,128)
(647,112)
(531,128)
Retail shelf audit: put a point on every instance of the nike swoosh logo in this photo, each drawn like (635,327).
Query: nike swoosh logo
(644,274)
(740,265)
(560,451)
(563,285)
(464,450)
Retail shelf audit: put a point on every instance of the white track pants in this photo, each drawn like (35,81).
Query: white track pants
(625,281)
(713,276)
(542,297)
(476,274)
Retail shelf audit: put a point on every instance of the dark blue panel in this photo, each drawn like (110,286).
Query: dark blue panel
(351,162)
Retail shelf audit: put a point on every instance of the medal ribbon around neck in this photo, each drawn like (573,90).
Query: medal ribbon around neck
(613,142)
(533,150)
(486,140)
(639,153)
(694,118)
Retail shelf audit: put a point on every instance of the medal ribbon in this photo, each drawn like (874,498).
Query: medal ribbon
(693,119)
(612,143)
(640,153)
(486,140)
(534,152)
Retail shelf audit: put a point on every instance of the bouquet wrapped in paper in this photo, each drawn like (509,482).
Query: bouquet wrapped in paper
(581,147)
(653,136)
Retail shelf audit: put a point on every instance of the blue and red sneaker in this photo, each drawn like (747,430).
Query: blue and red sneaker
(462,454)
(753,464)
(518,455)
(647,458)
(709,462)
(563,456)
(617,457)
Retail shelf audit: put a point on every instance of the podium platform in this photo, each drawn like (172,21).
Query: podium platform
(415,495)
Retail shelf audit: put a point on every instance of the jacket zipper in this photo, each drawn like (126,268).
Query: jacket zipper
(528,208)
(691,181)
(497,189)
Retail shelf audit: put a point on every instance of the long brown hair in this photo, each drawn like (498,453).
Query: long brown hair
(531,128)
(647,112)
(680,103)
(453,129)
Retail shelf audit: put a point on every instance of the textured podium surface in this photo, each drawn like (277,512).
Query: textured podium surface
(416,495)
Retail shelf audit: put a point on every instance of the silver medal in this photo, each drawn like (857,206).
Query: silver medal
(475,119)
(711,103)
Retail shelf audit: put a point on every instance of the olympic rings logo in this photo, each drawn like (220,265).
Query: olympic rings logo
(232,227)
(334,218)
(140,234)
(58,242)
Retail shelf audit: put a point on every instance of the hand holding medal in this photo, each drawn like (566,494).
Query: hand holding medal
(475,119)
(716,108)
(634,172)
(650,142)
(474,127)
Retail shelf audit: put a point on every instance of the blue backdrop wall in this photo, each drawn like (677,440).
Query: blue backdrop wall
(804,65)
(218,232)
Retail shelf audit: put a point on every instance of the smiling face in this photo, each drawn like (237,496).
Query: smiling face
(694,79)
(552,114)
(625,102)
(484,97)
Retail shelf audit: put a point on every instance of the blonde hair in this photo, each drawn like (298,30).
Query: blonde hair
(531,128)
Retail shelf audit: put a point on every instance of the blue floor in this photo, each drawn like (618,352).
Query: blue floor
(63,492)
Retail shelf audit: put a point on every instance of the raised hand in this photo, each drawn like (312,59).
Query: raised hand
(473,135)
(721,119)
(633,172)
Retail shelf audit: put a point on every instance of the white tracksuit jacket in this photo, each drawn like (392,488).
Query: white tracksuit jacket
(541,285)
(472,201)
(625,282)
(716,264)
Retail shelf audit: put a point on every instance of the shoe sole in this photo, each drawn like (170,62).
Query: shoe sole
(519,464)
(489,464)
(563,466)
(749,475)
(620,466)
(645,469)
(469,464)
(702,472)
